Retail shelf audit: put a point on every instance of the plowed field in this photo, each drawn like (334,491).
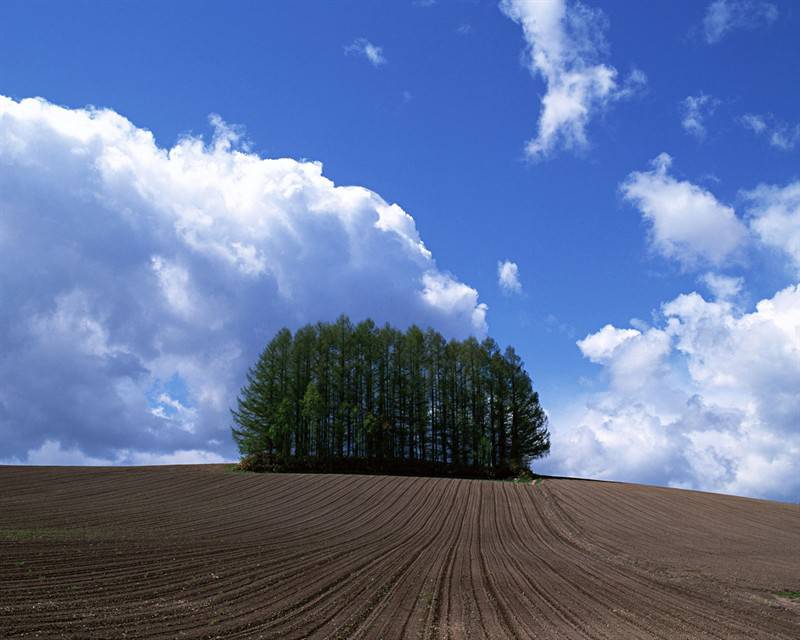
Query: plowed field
(202,552)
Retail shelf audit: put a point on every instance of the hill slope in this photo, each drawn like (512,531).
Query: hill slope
(201,552)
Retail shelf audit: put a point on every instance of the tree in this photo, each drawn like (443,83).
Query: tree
(396,398)
(252,412)
(312,410)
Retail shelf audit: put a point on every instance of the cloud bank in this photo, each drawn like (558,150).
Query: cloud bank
(706,399)
(139,282)
(565,43)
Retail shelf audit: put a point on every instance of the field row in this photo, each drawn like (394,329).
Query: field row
(201,552)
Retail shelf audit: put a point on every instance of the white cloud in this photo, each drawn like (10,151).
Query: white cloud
(723,287)
(687,222)
(508,277)
(695,110)
(600,346)
(52,453)
(779,134)
(449,296)
(125,265)
(775,218)
(363,47)
(707,400)
(565,42)
(631,355)
(723,16)
(785,137)
(754,122)
(193,456)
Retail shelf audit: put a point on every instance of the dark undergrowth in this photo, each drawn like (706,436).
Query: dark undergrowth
(266,463)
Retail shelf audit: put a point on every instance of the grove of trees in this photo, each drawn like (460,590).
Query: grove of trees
(338,391)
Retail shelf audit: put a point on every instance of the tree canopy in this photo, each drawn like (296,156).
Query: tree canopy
(338,390)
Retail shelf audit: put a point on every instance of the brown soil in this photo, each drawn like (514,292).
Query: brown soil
(202,552)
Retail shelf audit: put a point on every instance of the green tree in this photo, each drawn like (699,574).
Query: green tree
(338,390)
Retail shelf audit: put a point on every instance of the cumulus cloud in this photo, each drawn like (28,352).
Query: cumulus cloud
(694,111)
(600,347)
(723,287)
(508,277)
(363,47)
(441,291)
(565,44)
(724,16)
(775,218)
(687,223)
(140,282)
(51,453)
(779,134)
(707,399)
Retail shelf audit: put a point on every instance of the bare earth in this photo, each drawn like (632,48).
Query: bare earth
(201,552)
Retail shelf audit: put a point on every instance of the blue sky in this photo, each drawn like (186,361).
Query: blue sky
(437,120)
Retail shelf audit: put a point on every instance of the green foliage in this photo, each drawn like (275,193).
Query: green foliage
(525,476)
(335,390)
